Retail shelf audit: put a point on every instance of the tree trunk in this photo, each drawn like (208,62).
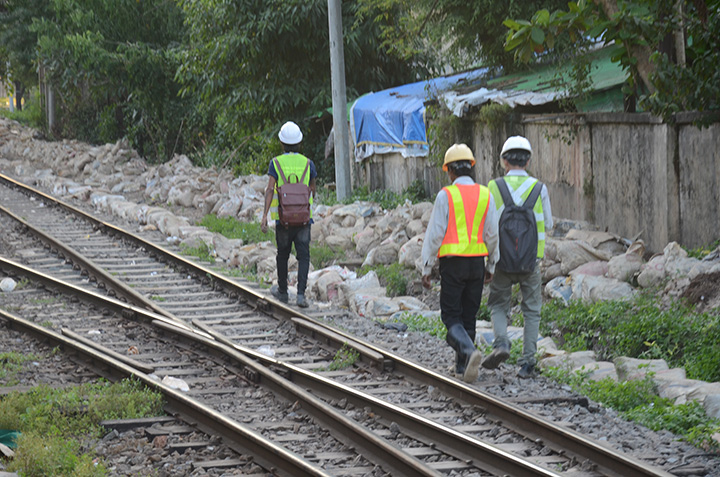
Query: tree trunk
(19,93)
(639,52)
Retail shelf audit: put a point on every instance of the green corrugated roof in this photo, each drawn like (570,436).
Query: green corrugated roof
(604,73)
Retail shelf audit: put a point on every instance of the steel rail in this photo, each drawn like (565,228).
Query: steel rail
(341,427)
(243,440)
(609,461)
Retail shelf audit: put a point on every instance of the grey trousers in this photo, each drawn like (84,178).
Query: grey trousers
(499,303)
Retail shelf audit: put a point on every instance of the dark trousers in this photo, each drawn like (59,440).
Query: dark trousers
(461,287)
(285,238)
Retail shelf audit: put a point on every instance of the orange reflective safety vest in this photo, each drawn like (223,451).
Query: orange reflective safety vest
(466,220)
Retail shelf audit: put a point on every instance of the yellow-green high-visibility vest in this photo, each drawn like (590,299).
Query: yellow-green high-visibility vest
(522,185)
(291,163)
(466,220)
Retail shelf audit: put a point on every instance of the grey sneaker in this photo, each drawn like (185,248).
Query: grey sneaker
(494,359)
(302,302)
(275,291)
(526,371)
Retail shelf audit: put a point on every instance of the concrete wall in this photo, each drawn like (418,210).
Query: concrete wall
(628,173)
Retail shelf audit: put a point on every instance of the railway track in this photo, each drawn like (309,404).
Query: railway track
(384,402)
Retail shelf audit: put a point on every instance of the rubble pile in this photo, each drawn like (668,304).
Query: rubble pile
(580,263)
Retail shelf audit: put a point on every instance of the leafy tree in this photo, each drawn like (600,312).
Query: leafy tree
(257,63)
(670,48)
(18,42)
(112,64)
(451,33)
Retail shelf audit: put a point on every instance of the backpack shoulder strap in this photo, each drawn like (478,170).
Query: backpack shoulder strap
(534,194)
(307,166)
(504,192)
(279,170)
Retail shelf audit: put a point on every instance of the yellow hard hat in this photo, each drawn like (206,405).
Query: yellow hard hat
(458,152)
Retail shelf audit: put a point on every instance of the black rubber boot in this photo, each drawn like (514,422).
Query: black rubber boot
(467,355)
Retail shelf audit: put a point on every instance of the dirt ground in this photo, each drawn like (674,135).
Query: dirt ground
(704,292)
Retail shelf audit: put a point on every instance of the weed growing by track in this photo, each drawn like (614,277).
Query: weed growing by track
(639,328)
(54,423)
(344,358)
(638,401)
(394,277)
(11,363)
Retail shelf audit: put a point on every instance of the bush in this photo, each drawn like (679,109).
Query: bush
(394,277)
(639,328)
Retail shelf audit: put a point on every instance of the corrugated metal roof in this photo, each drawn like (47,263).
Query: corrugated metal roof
(539,87)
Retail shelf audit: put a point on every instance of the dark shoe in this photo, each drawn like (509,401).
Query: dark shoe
(275,291)
(302,302)
(526,371)
(467,358)
(493,360)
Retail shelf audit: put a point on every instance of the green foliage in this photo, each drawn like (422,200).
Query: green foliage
(50,421)
(255,65)
(639,31)
(640,329)
(41,455)
(202,251)
(393,277)
(323,255)
(18,41)
(113,75)
(703,251)
(78,410)
(638,401)
(11,363)
(432,325)
(444,130)
(386,199)
(448,32)
(230,227)
(31,115)
(344,358)
(688,420)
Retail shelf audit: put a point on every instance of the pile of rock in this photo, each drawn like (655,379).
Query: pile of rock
(580,262)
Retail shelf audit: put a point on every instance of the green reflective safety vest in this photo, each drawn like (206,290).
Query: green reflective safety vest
(291,163)
(524,185)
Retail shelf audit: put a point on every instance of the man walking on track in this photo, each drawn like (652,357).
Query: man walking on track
(298,172)
(462,232)
(524,216)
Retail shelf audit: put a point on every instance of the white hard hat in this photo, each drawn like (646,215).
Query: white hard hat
(290,133)
(516,142)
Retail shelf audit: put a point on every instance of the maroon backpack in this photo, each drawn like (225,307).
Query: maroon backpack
(293,199)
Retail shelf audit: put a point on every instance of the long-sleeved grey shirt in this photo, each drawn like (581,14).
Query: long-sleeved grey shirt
(437,226)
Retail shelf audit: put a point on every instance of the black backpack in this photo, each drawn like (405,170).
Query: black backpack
(518,231)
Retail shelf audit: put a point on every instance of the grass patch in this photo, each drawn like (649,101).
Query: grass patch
(54,422)
(430,324)
(639,328)
(322,255)
(393,277)
(344,358)
(11,364)
(232,228)
(203,252)
(638,401)
(386,199)
(701,252)
(31,115)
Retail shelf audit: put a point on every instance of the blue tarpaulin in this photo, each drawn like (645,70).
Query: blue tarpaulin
(393,120)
